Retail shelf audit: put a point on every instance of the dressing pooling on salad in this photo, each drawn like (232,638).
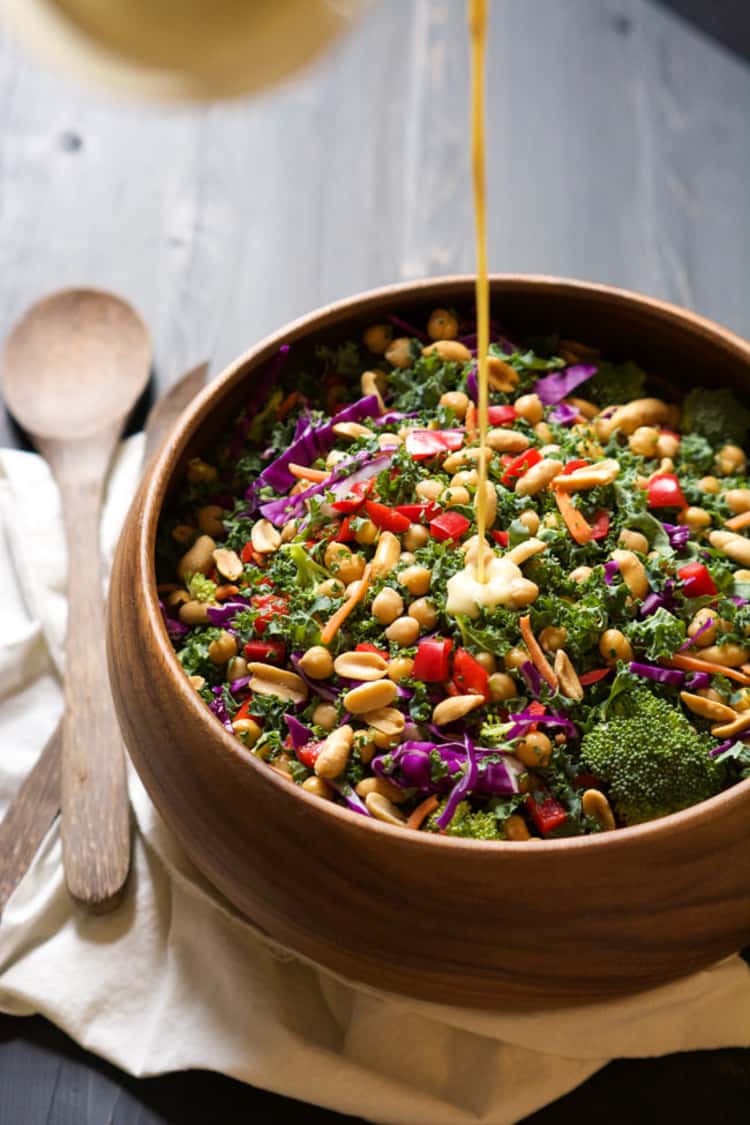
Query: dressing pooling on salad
(319,583)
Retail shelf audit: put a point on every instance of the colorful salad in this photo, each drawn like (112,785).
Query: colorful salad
(319,584)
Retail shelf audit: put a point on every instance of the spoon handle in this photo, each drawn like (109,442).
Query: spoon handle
(95,810)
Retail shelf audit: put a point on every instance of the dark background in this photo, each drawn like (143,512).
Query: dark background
(619,135)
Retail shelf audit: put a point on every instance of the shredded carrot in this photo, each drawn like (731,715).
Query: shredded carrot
(538,658)
(470,422)
(576,524)
(422,811)
(695,664)
(331,629)
(285,406)
(301,472)
(226,591)
(738,522)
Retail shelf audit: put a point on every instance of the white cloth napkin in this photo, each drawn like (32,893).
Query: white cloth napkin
(175,979)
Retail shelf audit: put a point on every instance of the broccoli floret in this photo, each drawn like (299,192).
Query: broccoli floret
(716,415)
(614,384)
(200,588)
(652,759)
(471,824)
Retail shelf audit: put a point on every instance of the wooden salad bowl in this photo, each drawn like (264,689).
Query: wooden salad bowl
(482,924)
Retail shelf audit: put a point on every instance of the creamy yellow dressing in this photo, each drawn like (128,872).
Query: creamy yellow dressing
(502,583)
(478,35)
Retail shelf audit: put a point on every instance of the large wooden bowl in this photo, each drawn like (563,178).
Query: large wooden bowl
(463,922)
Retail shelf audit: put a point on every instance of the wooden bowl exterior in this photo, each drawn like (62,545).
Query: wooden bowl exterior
(452,921)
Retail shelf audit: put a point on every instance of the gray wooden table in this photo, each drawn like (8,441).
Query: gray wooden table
(619,151)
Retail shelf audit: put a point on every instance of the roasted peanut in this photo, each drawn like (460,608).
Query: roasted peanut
(199,559)
(526,550)
(386,555)
(265,538)
(334,753)
(633,572)
(228,563)
(360,666)
(449,350)
(455,707)
(503,440)
(500,375)
(567,677)
(627,419)
(399,352)
(370,697)
(591,476)
(581,574)
(269,680)
(194,613)
(380,785)
(735,547)
(369,383)
(707,708)
(729,654)
(596,805)
(383,809)
(538,477)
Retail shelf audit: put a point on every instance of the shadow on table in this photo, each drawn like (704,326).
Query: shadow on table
(44,1076)
(727,21)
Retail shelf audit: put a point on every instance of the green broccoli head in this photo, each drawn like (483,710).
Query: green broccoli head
(481,824)
(652,759)
(613,385)
(715,414)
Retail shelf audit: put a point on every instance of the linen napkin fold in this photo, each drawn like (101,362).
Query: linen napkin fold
(175,979)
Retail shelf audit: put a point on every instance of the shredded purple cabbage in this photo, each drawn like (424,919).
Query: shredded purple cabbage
(564,414)
(175,628)
(532,678)
(651,603)
(679,536)
(722,747)
(525,719)
(472,384)
(698,681)
(409,329)
(350,798)
(557,386)
(670,676)
(611,570)
(219,709)
(224,614)
(692,640)
(301,734)
(289,507)
(462,788)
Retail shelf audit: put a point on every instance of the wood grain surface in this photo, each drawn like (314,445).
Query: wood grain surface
(619,152)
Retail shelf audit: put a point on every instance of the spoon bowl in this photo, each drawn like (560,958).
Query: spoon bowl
(73,368)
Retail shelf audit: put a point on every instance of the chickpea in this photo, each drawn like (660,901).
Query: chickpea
(318,787)
(330,588)
(530,407)
(668,445)
(415,537)
(455,496)
(502,687)
(387,606)
(334,457)
(515,828)
(325,716)
(543,432)
(398,353)
(184,534)
(209,520)
(377,338)
(429,489)
(535,749)
(515,657)
(199,471)
(710,484)
(697,519)
(644,441)
(581,574)
(614,646)
(346,566)
(403,631)
(223,648)
(487,660)
(552,638)
(400,668)
(634,541)
(730,461)
(530,520)
(416,579)
(423,611)
(701,618)
(738,500)
(236,668)
(179,597)
(465,477)
(442,325)
(247,730)
(456,401)
(407,557)
(551,520)
(317,663)
(366,533)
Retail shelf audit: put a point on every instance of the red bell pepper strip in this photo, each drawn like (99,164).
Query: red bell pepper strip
(419,513)
(594,676)
(519,465)
(248,554)
(267,606)
(344,533)
(449,525)
(431,664)
(600,525)
(245,712)
(387,519)
(365,646)
(501,537)
(502,415)
(571,466)
(536,708)
(469,676)
(269,652)
(308,754)
(360,490)
(422,444)
(665,491)
(697,580)
(547,815)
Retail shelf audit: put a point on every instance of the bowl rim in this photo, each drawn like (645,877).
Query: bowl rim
(725,803)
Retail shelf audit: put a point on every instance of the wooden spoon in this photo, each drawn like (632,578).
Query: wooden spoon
(73,368)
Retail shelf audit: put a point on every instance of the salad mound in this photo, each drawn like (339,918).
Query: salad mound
(319,583)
